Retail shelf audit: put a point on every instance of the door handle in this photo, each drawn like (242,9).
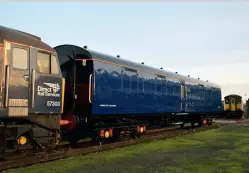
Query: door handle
(90,88)
(26,77)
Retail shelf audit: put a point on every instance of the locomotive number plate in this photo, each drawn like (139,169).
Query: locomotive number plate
(53,103)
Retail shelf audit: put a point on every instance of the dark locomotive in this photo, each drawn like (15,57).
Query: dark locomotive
(90,93)
(31,92)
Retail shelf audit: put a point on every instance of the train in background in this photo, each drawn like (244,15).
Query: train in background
(233,108)
(69,90)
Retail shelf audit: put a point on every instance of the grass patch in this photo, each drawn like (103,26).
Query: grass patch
(219,150)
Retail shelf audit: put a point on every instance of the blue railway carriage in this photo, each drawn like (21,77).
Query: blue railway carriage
(108,92)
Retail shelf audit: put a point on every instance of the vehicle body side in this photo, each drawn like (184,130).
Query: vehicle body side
(115,87)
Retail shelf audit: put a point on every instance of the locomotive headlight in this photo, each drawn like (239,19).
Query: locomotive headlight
(141,129)
(22,140)
(107,134)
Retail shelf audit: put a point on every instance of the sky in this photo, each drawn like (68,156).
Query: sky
(205,40)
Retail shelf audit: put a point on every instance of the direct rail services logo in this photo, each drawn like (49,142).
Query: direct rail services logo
(51,89)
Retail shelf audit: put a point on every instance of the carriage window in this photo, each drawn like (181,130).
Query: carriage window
(126,81)
(43,62)
(141,84)
(158,85)
(54,65)
(20,58)
(134,83)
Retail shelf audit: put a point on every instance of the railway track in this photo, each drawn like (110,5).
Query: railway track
(87,147)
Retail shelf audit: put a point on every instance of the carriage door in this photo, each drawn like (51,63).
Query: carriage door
(237,104)
(182,97)
(232,104)
(17,79)
(84,87)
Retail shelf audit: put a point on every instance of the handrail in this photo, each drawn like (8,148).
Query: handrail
(7,85)
(33,89)
(90,88)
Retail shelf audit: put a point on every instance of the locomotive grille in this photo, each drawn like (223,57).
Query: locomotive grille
(18,108)
(18,102)
(18,112)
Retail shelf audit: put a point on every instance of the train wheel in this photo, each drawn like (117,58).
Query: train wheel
(97,139)
(59,137)
(116,135)
(165,123)
(73,138)
(200,124)
(100,141)
(135,135)
(193,124)
(209,123)
(51,146)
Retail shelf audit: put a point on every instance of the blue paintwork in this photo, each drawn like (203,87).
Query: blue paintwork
(145,93)
(137,90)
(140,92)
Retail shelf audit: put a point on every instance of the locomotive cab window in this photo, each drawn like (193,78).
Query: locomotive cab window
(238,101)
(47,63)
(20,58)
(43,62)
(54,65)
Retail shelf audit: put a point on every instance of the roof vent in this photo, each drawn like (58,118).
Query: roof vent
(176,72)
(118,56)
(207,80)
(161,68)
(142,63)
(85,47)
(188,75)
(198,78)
